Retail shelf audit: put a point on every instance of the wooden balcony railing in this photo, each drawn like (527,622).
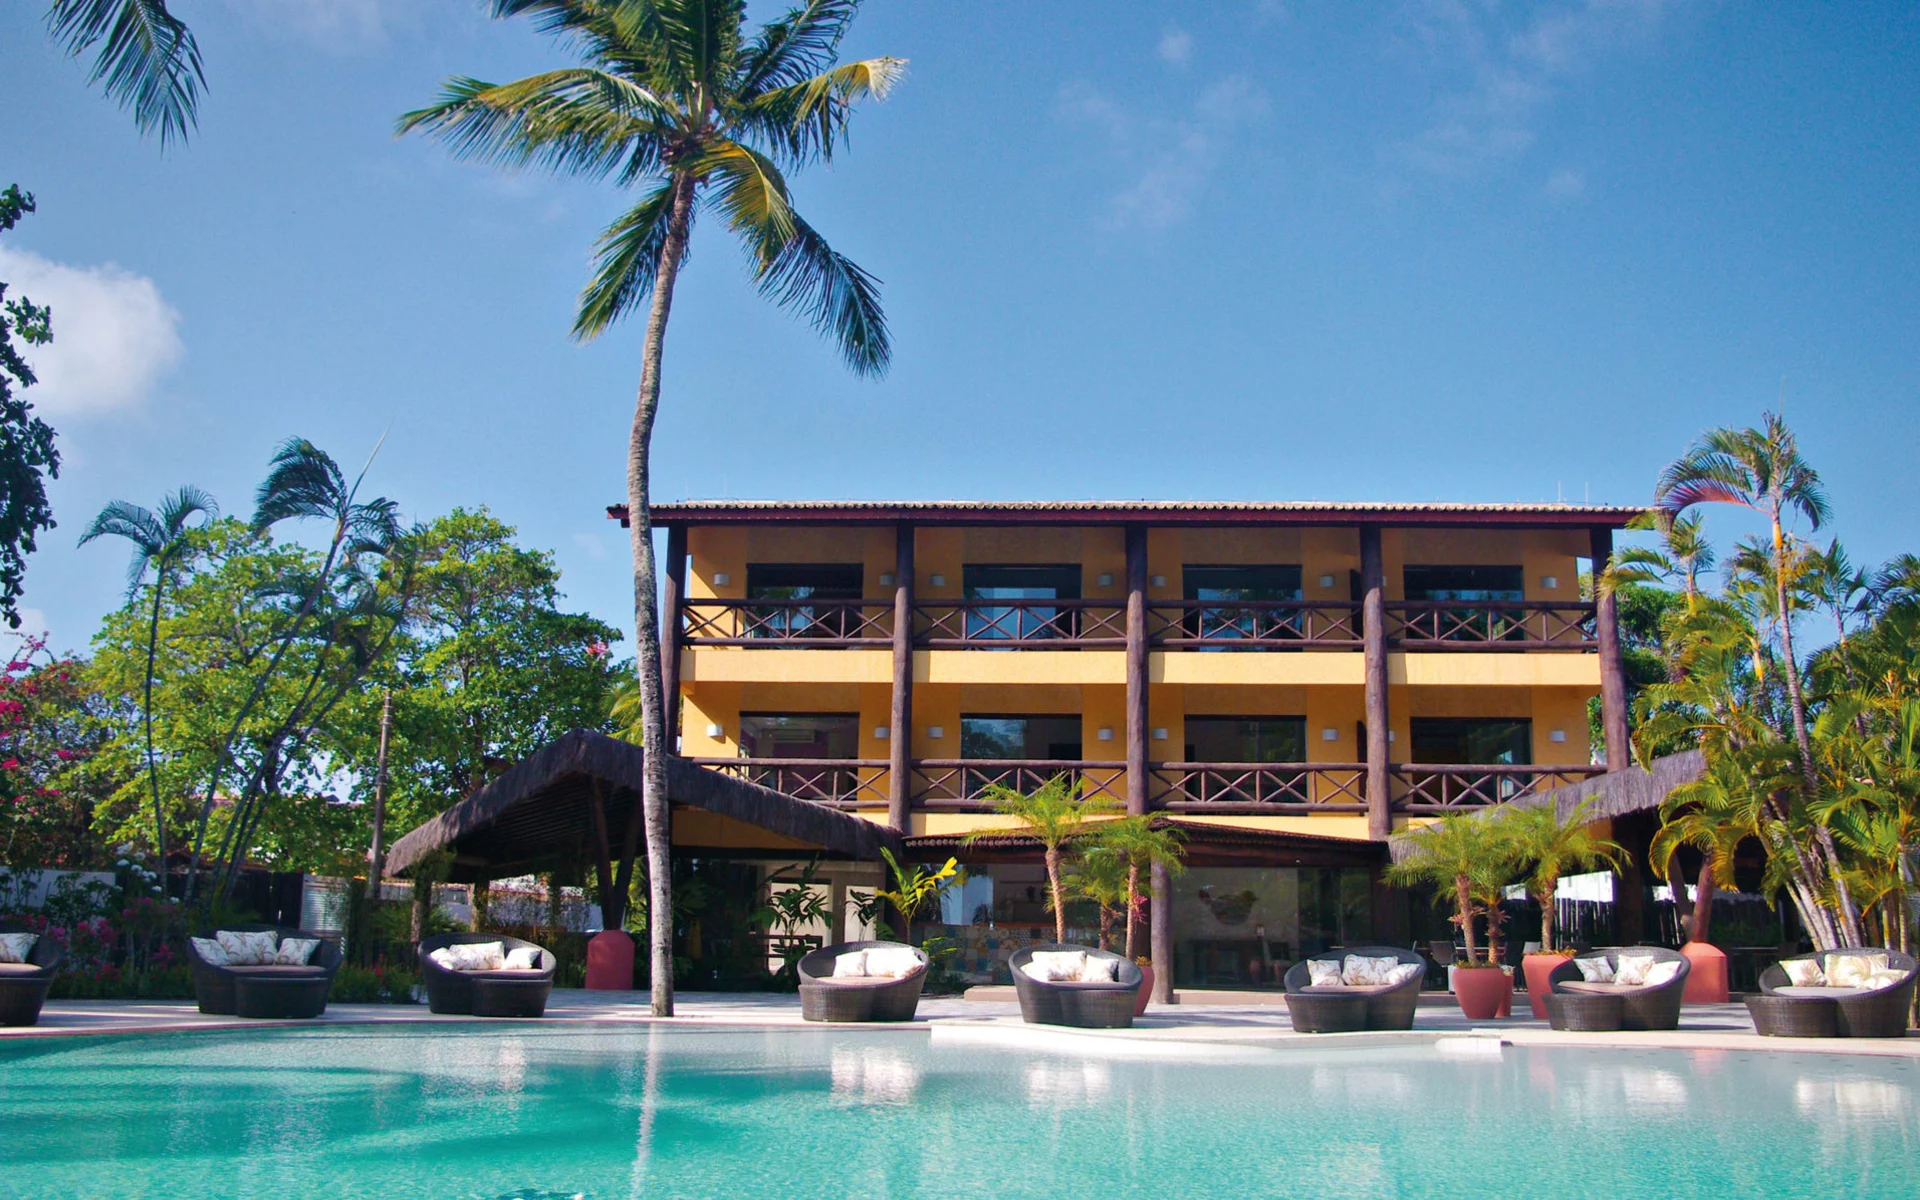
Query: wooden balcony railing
(827,624)
(1021,624)
(954,783)
(1473,625)
(836,783)
(1427,788)
(1260,787)
(1255,624)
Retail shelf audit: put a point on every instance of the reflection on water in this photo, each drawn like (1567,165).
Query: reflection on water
(874,1075)
(1840,1100)
(1067,1084)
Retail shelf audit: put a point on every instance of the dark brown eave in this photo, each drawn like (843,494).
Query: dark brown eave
(1208,845)
(1131,512)
(538,817)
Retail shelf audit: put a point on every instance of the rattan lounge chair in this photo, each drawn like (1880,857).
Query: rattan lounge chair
(824,998)
(23,986)
(502,993)
(1857,1012)
(1656,1007)
(1081,1005)
(1387,1007)
(289,992)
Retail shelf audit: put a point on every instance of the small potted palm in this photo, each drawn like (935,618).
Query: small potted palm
(1556,848)
(1136,845)
(1468,860)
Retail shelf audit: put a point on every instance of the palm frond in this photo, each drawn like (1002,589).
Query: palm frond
(147,59)
(809,119)
(184,504)
(798,45)
(302,481)
(576,121)
(626,259)
(834,294)
(750,190)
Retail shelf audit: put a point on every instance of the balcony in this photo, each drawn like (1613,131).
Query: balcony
(1437,790)
(836,783)
(961,783)
(1278,788)
(1050,624)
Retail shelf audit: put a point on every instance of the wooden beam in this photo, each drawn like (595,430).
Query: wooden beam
(900,715)
(1373,582)
(673,597)
(1137,777)
(1160,932)
(613,904)
(1613,671)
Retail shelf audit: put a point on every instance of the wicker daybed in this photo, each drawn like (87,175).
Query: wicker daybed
(1783,1010)
(858,999)
(284,992)
(1641,1007)
(1388,1007)
(23,985)
(1097,1005)
(520,992)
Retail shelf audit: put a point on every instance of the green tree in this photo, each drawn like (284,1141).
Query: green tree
(1053,814)
(678,98)
(1141,845)
(27,454)
(1555,848)
(160,545)
(144,56)
(1098,874)
(1466,859)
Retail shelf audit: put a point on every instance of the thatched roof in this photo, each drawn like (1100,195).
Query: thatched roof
(537,816)
(1614,794)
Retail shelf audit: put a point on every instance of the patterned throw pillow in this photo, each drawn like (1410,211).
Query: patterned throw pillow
(247,949)
(1852,970)
(1594,970)
(1100,970)
(479,956)
(523,958)
(1322,974)
(1404,972)
(1631,969)
(295,952)
(1662,972)
(1886,978)
(892,962)
(14,947)
(1057,966)
(851,965)
(210,952)
(1358,971)
(1803,972)
(444,959)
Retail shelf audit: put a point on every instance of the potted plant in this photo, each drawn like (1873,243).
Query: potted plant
(1468,860)
(1135,845)
(1555,847)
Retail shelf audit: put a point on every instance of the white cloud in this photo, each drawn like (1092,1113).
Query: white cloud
(1170,160)
(1499,67)
(329,24)
(1176,46)
(1564,184)
(114,335)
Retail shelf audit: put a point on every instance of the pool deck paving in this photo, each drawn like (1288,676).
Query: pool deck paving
(1204,1030)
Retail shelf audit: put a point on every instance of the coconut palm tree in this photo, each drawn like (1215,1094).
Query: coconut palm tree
(1556,848)
(161,542)
(679,98)
(1763,470)
(1053,814)
(146,57)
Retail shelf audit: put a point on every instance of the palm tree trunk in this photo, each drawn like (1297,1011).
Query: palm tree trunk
(1703,890)
(146,705)
(1547,916)
(1463,899)
(646,613)
(1133,902)
(1053,886)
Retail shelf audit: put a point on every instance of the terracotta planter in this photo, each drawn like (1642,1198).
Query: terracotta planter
(1483,992)
(1706,973)
(610,962)
(1146,989)
(1536,968)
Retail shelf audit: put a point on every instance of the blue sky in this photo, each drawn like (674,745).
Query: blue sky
(1446,249)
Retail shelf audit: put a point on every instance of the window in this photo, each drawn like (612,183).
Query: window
(1004,739)
(1465,583)
(805,581)
(1247,739)
(1024,622)
(1472,741)
(1237,584)
(825,736)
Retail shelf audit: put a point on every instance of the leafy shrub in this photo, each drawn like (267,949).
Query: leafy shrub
(379,984)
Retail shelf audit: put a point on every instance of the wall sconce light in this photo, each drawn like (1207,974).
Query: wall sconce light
(937,580)
(1550,582)
(721,579)
(1557,735)
(1326,581)
(715,731)
(1106,579)
(1390,735)
(1159,581)
(886,579)
(1104,733)
(880,733)
(1329,735)
(1160,734)
(936,732)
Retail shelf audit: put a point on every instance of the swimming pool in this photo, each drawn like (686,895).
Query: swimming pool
(493,1111)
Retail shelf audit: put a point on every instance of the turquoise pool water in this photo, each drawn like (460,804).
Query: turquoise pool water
(494,1111)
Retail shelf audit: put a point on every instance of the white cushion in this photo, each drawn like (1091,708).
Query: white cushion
(1057,966)
(1661,972)
(523,958)
(294,952)
(477,956)
(1886,978)
(851,965)
(443,958)
(14,947)
(1594,970)
(1100,970)
(211,952)
(1821,992)
(1366,972)
(1632,968)
(892,962)
(1404,972)
(1323,974)
(1803,972)
(247,949)
(1852,970)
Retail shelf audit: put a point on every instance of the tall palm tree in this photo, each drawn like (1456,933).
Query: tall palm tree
(161,542)
(1140,844)
(1053,814)
(678,98)
(1763,470)
(147,58)
(1556,848)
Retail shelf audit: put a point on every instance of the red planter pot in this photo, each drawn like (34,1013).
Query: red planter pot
(1536,968)
(1706,973)
(1146,989)
(610,962)
(1483,992)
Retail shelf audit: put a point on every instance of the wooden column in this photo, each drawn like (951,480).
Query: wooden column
(1373,613)
(1160,933)
(1613,672)
(673,594)
(1137,780)
(900,729)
